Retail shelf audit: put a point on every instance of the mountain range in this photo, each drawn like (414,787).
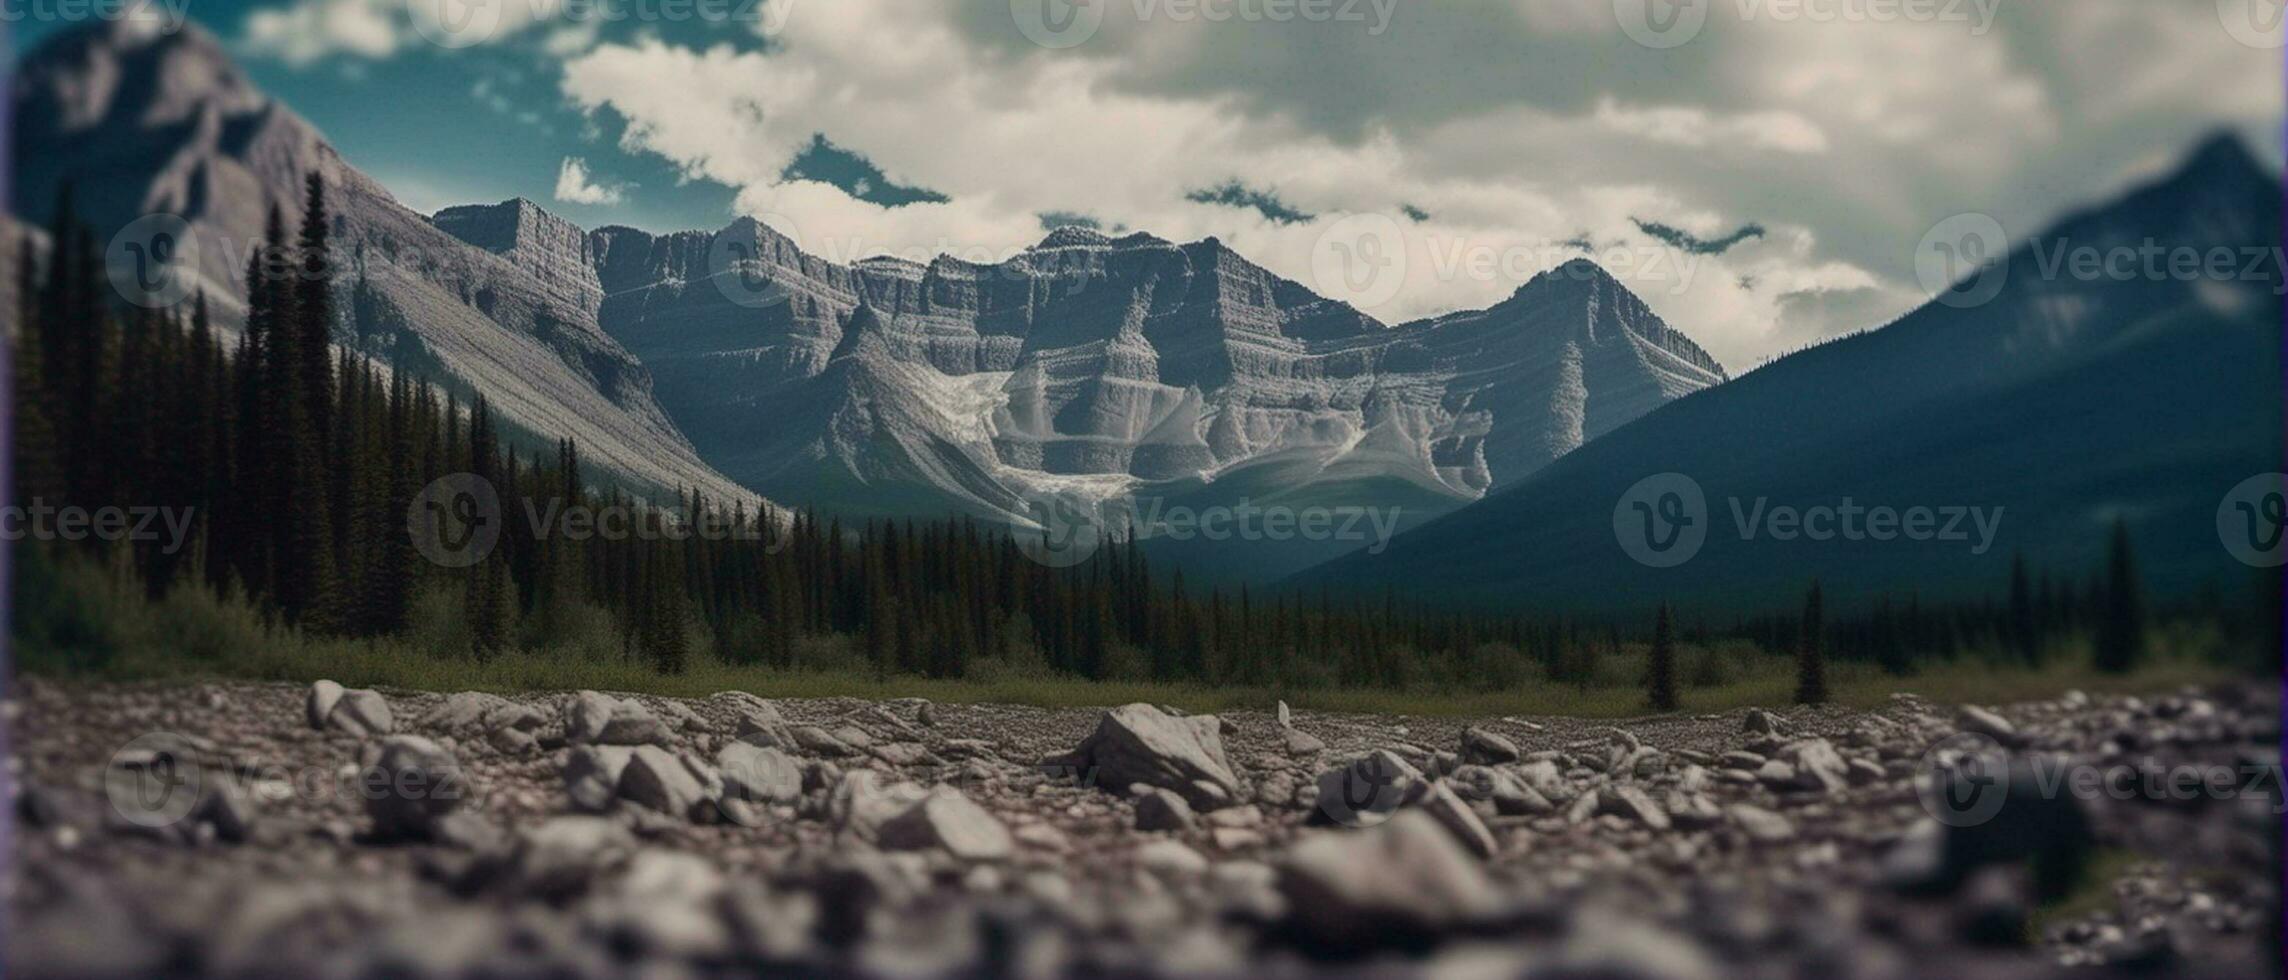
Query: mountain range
(1133,371)
(1086,368)
(141,121)
(2064,402)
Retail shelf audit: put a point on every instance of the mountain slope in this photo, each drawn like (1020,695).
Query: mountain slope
(1114,369)
(144,122)
(2064,402)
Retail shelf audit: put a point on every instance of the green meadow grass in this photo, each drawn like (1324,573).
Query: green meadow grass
(96,624)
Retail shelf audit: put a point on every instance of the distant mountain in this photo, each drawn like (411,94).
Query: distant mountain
(1086,368)
(498,300)
(1104,368)
(2065,401)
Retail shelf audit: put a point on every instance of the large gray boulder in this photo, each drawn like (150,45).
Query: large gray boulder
(474,714)
(949,821)
(592,775)
(362,713)
(667,782)
(860,804)
(758,774)
(600,719)
(319,705)
(1139,743)
(1403,883)
(411,784)
(1367,789)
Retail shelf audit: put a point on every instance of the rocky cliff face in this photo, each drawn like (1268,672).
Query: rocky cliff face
(498,300)
(1096,366)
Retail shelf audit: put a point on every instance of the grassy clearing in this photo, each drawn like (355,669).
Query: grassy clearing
(95,624)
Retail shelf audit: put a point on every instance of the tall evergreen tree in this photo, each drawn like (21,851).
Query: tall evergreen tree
(1811,651)
(2121,638)
(1660,671)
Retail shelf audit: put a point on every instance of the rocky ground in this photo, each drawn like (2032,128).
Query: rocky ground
(308,831)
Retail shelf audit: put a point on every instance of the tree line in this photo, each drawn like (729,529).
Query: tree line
(302,459)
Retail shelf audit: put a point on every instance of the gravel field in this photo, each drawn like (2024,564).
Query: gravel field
(289,830)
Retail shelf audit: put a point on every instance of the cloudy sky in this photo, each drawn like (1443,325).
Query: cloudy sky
(1762,171)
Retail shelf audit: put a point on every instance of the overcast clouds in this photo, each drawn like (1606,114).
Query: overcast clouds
(1506,128)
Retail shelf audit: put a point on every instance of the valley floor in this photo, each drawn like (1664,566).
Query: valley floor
(602,835)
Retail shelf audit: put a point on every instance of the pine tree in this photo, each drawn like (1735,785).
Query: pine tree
(1811,653)
(2121,629)
(1660,673)
(2025,626)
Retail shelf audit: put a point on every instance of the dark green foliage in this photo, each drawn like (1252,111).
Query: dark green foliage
(2121,627)
(1811,651)
(300,461)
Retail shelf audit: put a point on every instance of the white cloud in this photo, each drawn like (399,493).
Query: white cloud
(1844,141)
(1784,132)
(573,184)
(308,30)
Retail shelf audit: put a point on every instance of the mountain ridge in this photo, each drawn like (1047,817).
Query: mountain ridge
(144,121)
(2060,402)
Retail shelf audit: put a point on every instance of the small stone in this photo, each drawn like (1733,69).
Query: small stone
(1761,825)
(1457,817)
(818,741)
(949,821)
(411,784)
(362,713)
(1368,789)
(1635,804)
(763,775)
(1487,748)
(1401,884)
(1759,722)
(592,775)
(320,703)
(661,780)
(1584,806)
(1979,721)
(1161,810)
(1170,858)
(1304,745)
(600,719)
